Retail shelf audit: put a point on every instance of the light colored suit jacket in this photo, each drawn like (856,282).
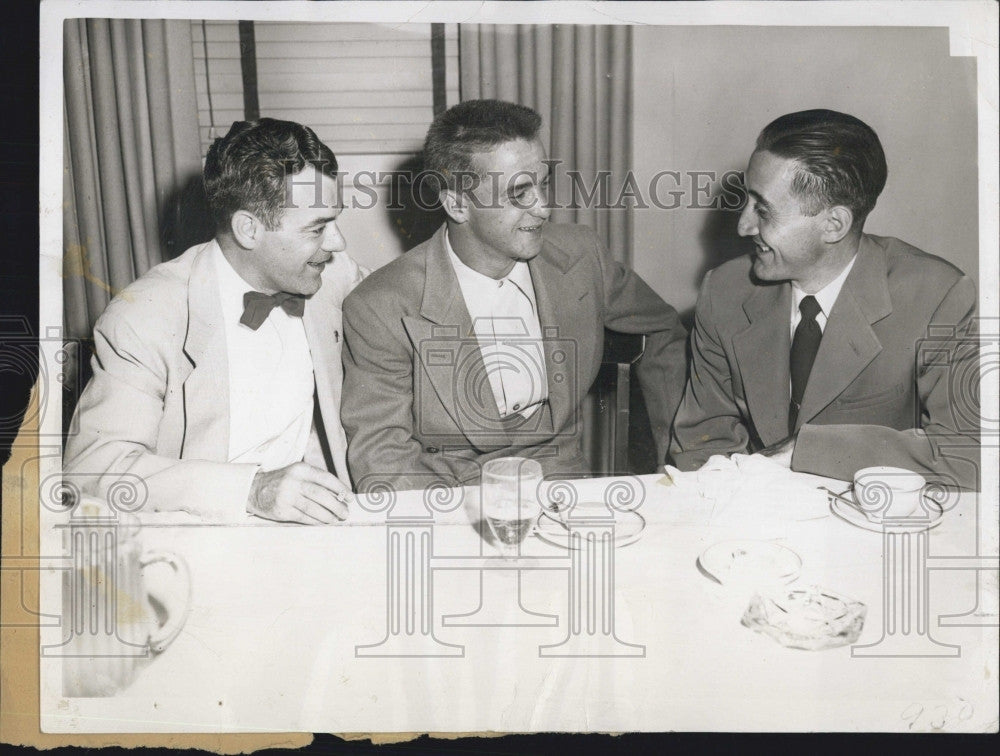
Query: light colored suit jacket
(157,407)
(884,389)
(418,406)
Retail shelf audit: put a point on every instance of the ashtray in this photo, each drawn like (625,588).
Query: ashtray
(811,617)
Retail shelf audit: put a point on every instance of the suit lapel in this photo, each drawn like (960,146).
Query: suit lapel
(762,354)
(446,346)
(322,322)
(849,344)
(557,297)
(206,388)
(444,318)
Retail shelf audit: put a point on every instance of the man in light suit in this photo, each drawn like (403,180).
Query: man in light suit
(483,341)
(217,375)
(829,349)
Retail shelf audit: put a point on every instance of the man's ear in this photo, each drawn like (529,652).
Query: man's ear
(455,205)
(837,223)
(247,229)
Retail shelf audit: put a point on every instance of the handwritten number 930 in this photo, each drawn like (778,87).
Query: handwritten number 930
(937,717)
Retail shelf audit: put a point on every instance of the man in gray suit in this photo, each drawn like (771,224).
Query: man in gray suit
(829,349)
(483,341)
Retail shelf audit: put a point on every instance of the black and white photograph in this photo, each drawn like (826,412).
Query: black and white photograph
(514,368)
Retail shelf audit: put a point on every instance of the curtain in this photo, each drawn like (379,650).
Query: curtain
(578,78)
(131,155)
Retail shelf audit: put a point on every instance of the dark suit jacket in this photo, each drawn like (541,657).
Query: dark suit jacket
(417,402)
(889,385)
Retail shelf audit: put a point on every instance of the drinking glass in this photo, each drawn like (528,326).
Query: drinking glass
(510,500)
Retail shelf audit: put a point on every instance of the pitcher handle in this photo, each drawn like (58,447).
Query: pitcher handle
(164,636)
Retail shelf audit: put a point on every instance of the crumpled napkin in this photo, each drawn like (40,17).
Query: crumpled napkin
(723,468)
(745,488)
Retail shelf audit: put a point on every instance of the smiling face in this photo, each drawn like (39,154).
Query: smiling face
(501,222)
(789,243)
(292,257)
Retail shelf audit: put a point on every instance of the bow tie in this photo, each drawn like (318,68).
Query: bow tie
(257,306)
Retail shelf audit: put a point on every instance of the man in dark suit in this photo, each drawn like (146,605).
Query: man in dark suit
(818,349)
(483,341)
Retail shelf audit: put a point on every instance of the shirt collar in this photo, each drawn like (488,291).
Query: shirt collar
(232,287)
(472,281)
(827,296)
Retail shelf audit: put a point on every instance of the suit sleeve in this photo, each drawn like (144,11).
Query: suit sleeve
(112,455)
(377,406)
(708,421)
(946,445)
(631,306)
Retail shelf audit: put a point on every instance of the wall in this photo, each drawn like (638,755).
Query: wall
(382,219)
(701,95)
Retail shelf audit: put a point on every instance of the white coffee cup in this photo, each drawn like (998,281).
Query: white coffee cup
(888,493)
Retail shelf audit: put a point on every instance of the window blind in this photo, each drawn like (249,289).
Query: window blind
(365,89)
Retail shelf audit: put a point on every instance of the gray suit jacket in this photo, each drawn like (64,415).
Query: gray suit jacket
(157,407)
(418,406)
(887,384)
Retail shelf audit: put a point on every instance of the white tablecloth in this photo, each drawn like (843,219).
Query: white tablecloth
(279,610)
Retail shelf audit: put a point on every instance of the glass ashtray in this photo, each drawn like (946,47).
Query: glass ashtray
(811,618)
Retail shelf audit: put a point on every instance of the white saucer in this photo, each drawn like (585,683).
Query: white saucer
(856,517)
(756,563)
(628,526)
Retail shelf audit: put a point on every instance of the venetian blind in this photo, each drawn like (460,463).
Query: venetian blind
(363,88)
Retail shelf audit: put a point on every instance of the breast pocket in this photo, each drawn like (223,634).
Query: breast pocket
(862,401)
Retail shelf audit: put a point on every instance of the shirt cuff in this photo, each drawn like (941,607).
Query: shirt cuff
(251,473)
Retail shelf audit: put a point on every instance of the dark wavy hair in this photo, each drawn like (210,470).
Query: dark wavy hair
(471,127)
(246,169)
(840,159)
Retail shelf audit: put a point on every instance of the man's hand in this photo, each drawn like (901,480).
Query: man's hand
(299,493)
(780,452)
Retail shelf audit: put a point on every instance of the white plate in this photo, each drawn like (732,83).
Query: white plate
(757,563)
(849,513)
(627,528)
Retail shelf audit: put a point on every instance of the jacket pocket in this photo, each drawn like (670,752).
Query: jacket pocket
(870,400)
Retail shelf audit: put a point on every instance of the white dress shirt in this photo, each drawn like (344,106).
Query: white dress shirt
(826,297)
(271,383)
(505,320)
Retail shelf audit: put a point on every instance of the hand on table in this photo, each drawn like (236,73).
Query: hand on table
(299,493)
(781,452)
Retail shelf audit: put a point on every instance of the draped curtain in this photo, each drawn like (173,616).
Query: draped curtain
(131,154)
(578,78)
